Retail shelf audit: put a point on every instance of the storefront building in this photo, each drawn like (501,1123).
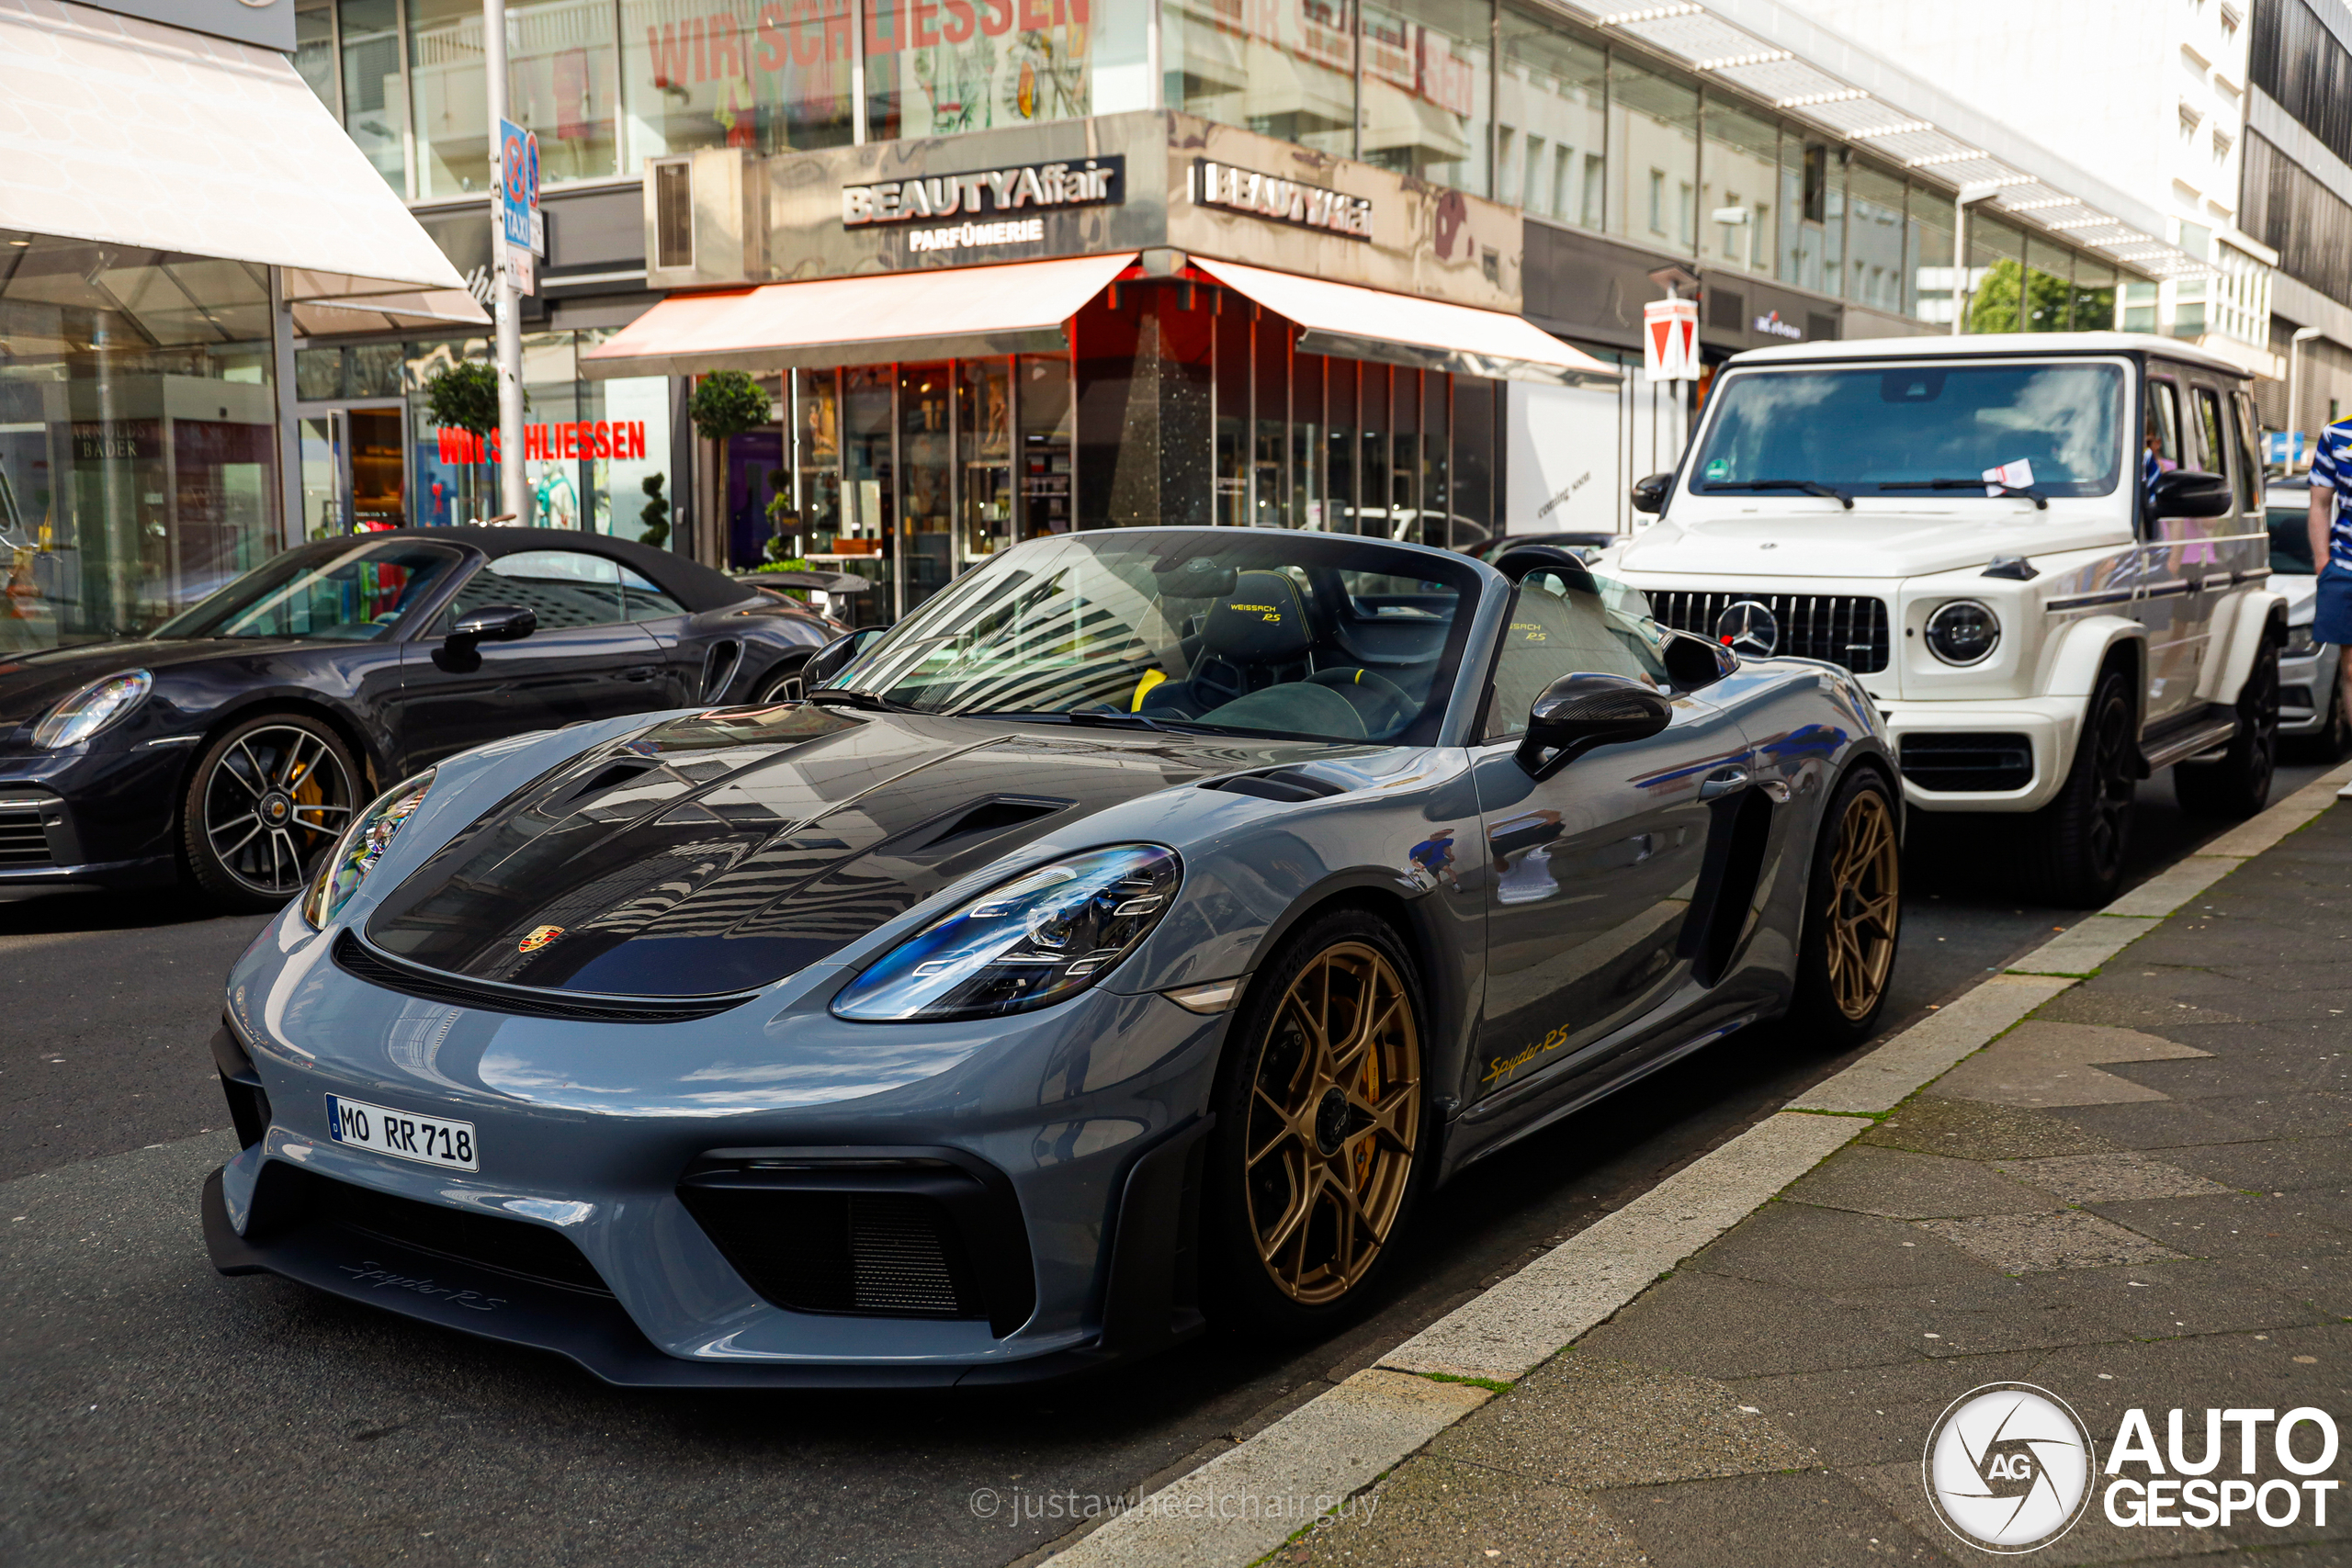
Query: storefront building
(153,281)
(1627,152)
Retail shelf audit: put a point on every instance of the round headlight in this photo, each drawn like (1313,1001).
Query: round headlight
(91,709)
(1963,632)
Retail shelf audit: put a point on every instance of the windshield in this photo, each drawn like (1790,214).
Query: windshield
(2056,429)
(353,592)
(1242,630)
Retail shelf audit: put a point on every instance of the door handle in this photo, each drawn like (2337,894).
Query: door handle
(1714,787)
(642,672)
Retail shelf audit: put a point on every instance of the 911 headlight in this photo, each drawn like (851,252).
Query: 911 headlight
(92,708)
(362,845)
(1045,935)
(1963,632)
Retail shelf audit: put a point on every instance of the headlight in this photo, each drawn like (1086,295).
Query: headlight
(1963,632)
(1047,934)
(362,845)
(91,709)
(2299,642)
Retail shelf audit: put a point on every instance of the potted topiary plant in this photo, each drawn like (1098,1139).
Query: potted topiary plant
(726,403)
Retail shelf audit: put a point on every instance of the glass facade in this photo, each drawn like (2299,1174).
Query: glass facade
(1497,99)
(138,447)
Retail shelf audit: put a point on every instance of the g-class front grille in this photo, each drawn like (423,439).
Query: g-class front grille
(1839,628)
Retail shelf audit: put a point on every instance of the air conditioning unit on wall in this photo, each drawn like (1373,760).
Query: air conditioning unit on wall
(706,219)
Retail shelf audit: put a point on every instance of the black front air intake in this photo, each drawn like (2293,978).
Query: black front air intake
(1957,760)
(898,1234)
(289,1197)
(355,958)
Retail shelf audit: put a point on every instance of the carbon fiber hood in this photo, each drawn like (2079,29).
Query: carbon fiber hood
(721,851)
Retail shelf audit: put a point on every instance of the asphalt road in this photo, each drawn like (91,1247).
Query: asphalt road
(153,1411)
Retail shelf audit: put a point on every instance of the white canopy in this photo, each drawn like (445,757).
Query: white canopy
(124,131)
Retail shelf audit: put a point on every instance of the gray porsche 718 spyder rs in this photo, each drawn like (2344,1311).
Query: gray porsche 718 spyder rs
(1125,941)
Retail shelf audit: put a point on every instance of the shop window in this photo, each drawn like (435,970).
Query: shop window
(563,85)
(1554,89)
(940,67)
(2048,305)
(318,374)
(1742,155)
(1339,401)
(1285,70)
(984,457)
(1995,275)
(1043,411)
(1813,200)
(926,477)
(1426,90)
(314,51)
(1308,496)
(2093,292)
(698,74)
(1654,127)
(1233,409)
(1929,228)
(1873,238)
(375,99)
(1270,438)
(1477,402)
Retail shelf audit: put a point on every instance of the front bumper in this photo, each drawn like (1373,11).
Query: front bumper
(90,818)
(2022,746)
(1083,1119)
(2310,678)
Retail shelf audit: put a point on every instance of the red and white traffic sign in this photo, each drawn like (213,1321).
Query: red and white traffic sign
(1670,339)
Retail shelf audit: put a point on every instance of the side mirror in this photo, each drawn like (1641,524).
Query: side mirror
(838,655)
(493,623)
(1577,713)
(1694,661)
(2183,494)
(1649,494)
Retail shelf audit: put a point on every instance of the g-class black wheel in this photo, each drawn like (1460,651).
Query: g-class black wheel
(2076,847)
(2238,786)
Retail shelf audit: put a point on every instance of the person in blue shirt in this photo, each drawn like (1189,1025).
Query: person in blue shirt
(2331,526)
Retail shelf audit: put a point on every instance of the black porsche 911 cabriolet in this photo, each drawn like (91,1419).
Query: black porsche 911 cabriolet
(231,744)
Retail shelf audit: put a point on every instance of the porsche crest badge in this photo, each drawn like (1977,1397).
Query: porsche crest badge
(540,936)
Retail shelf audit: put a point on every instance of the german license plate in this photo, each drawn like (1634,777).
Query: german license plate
(428,1139)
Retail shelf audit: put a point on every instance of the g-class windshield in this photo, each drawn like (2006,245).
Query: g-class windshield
(2037,430)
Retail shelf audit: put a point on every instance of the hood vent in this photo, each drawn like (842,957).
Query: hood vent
(1278,783)
(612,776)
(994,816)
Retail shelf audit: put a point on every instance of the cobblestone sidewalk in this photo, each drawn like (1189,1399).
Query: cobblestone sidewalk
(2134,1198)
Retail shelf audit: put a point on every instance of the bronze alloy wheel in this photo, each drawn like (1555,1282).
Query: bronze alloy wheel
(1333,1123)
(1864,907)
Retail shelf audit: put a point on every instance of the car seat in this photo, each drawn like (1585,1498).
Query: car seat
(1256,638)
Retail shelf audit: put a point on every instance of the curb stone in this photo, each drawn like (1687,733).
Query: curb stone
(1342,1440)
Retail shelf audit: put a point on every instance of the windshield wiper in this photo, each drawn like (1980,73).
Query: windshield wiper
(1810,487)
(2041,502)
(866,701)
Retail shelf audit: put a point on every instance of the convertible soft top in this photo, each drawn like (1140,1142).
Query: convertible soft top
(696,586)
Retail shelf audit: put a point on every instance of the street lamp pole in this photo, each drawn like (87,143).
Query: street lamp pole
(2295,386)
(505,308)
(1960,202)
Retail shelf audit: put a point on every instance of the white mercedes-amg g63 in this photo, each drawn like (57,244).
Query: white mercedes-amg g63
(2044,554)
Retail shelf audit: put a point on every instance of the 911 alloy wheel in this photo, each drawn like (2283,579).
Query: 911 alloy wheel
(265,802)
(1853,912)
(1319,1151)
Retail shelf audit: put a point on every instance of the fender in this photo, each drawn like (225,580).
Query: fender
(2240,624)
(2082,651)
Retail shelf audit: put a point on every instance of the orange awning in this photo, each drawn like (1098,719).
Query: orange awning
(1404,329)
(871,319)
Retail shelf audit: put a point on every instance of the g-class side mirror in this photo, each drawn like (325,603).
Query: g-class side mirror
(837,655)
(2183,494)
(1577,713)
(1649,494)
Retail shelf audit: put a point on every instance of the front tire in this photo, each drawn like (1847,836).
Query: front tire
(1853,914)
(786,681)
(1319,1153)
(2076,847)
(2239,784)
(265,801)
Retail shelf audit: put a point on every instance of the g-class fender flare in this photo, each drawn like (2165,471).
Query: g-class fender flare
(2081,651)
(2240,623)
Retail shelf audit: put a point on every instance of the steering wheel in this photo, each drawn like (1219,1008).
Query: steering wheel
(1380,702)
